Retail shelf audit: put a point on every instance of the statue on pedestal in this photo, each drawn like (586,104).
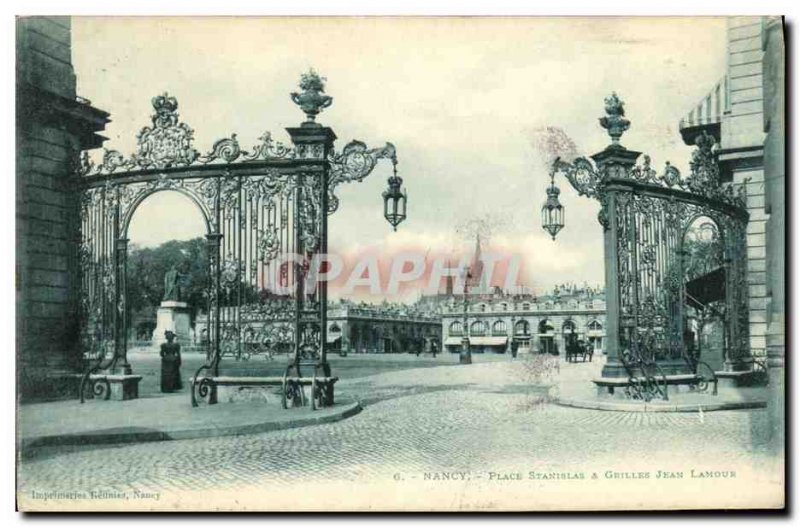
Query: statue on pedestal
(176,285)
(174,312)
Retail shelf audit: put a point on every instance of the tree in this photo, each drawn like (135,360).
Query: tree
(147,267)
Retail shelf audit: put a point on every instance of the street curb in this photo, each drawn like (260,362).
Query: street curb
(134,436)
(659,408)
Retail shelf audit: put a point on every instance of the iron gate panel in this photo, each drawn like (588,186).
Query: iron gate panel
(645,216)
(265,212)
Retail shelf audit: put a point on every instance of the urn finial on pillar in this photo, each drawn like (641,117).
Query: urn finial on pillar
(615,122)
(312,100)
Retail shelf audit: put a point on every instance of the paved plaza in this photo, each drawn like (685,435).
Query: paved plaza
(478,436)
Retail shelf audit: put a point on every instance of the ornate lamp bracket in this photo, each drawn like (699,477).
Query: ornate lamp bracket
(354,163)
(581,174)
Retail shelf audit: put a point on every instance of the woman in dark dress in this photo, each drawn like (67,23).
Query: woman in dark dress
(170,364)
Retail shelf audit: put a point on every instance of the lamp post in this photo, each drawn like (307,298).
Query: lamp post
(511,339)
(466,356)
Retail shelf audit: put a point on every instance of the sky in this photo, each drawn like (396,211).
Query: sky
(464,100)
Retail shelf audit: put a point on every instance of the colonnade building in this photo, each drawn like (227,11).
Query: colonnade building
(358,327)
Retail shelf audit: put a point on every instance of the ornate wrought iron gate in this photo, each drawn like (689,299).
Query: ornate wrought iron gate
(645,217)
(265,212)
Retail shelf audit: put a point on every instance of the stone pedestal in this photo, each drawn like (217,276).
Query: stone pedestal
(124,387)
(172,316)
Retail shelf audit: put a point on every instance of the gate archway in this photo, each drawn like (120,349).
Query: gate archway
(167,239)
(266,214)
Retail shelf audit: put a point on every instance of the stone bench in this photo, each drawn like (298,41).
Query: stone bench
(292,394)
(118,387)
(606,385)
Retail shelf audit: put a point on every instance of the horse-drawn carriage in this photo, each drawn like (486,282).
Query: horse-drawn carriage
(579,349)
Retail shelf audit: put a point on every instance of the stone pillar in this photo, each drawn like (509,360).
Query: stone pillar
(121,366)
(314,142)
(52,126)
(775,190)
(614,159)
(741,158)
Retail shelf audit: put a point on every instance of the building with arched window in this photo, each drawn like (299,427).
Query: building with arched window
(526,323)
(386,328)
(594,334)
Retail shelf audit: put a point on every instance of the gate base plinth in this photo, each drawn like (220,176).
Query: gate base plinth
(739,379)
(124,387)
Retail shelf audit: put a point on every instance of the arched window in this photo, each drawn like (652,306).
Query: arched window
(595,326)
(503,307)
(568,328)
(526,307)
(456,329)
(522,327)
(499,328)
(478,328)
(482,308)
(335,328)
(545,326)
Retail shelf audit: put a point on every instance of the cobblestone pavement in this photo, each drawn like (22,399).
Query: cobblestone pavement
(410,432)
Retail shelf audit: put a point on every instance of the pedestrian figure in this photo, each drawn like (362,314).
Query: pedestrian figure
(170,364)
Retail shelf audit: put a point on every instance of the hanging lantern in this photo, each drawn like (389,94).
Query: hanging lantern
(552,210)
(394,200)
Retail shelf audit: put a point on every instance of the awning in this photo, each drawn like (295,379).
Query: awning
(332,338)
(707,115)
(706,289)
(477,341)
(595,333)
(488,341)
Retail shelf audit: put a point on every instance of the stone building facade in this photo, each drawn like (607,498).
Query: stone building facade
(358,327)
(382,328)
(733,112)
(53,125)
(746,113)
(774,94)
(497,323)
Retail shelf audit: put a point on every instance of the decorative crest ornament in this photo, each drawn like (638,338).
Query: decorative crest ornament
(614,122)
(703,164)
(169,142)
(312,100)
